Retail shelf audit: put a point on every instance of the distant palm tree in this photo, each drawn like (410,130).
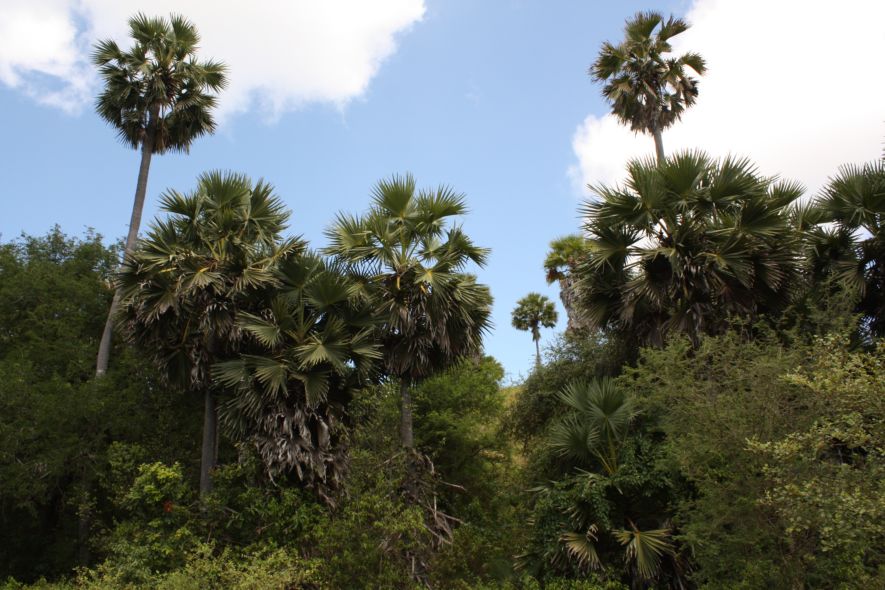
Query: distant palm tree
(531,313)
(184,287)
(432,312)
(160,98)
(647,89)
(853,249)
(686,243)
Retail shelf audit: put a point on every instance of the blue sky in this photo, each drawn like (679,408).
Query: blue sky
(489,97)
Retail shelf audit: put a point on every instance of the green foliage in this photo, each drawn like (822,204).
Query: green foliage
(377,538)
(826,483)
(457,413)
(572,358)
(782,449)
(616,509)
(154,533)
(56,425)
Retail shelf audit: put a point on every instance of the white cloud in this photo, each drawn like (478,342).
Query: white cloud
(282,54)
(796,85)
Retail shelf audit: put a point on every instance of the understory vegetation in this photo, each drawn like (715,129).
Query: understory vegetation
(268,413)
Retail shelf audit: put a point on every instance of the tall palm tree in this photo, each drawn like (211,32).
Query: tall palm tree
(433,313)
(531,313)
(853,249)
(159,98)
(647,89)
(183,288)
(686,243)
(309,346)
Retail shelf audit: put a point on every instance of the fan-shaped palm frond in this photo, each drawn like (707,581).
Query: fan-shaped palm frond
(597,425)
(644,549)
(582,547)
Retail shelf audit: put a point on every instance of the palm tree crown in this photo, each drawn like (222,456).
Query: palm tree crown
(158,84)
(685,243)
(647,89)
(531,313)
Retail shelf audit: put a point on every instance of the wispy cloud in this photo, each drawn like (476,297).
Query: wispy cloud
(282,54)
(796,85)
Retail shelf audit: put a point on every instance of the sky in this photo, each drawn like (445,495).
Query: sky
(491,97)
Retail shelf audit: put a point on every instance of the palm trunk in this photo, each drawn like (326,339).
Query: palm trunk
(659,144)
(84,528)
(538,352)
(406,433)
(147,150)
(210,434)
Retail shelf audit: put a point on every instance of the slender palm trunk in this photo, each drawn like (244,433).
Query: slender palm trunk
(147,150)
(406,433)
(84,528)
(659,144)
(210,436)
(537,352)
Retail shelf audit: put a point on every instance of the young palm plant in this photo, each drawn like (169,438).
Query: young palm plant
(185,285)
(597,425)
(647,89)
(310,347)
(530,314)
(413,267)
(685,244)
(591,436)
(159,97)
